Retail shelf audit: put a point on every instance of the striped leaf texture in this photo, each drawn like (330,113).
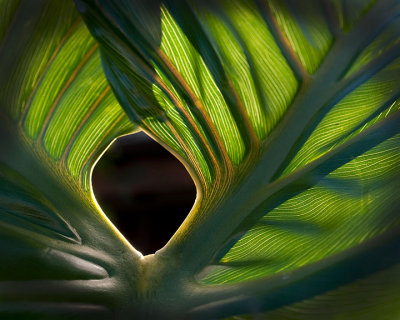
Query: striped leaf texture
(286,114)
(57,115)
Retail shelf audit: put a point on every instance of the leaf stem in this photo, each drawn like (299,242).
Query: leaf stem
(293,286)
(196,248)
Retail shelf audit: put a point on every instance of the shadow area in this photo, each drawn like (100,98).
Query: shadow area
(144,190)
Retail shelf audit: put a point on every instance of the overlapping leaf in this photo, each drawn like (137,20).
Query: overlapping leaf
(287,116)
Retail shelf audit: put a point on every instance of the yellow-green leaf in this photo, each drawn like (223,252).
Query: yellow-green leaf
(287,115)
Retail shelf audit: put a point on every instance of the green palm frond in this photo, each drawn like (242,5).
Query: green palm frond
(285,113)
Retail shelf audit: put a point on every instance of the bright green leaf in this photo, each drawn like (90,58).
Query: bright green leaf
(57,115)
(287,115)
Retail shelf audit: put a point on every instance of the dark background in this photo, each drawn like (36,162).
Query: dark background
(144,190)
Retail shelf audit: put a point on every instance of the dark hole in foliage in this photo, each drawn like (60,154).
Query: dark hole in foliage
(144,190)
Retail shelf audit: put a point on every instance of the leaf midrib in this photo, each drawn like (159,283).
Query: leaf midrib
(196,252)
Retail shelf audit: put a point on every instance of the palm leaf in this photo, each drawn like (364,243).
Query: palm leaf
(58,115)
(287,116)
